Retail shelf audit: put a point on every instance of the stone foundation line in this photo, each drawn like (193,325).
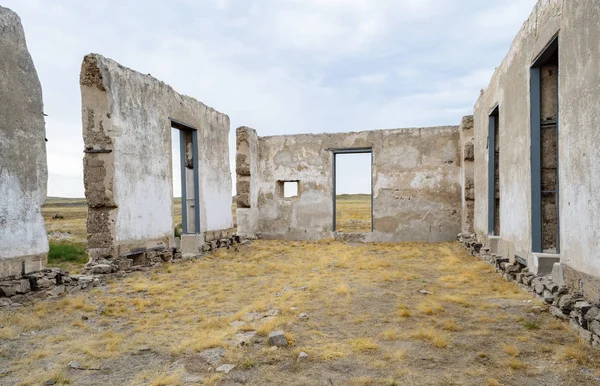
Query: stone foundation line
(582,315)
(23,289)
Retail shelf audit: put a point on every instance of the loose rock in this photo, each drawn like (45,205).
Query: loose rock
(212,356)
(277,338)
(58,290)
(225,369)
(244,339)
(101,269)
(302,356)
(252,316)
(75,365)
(237,324)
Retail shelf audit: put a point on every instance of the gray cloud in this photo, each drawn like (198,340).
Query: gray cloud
(281,66)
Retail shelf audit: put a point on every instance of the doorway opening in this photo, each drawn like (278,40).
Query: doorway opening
(353,190)
(186,193)
(494,173)
(544,151)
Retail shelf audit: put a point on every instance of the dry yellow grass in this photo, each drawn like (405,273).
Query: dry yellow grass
(450,325)
(363,345)
(578,353)
(438,338)
(353,213)
(516,364)
(361,329)
(430,307)
(511,350)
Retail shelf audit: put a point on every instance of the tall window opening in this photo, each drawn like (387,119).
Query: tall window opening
(544,151)
(353,199)
(494,173)
(186,194)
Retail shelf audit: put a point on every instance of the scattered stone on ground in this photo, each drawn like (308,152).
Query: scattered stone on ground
(237,324)
(425,292)
(277,338)
(252,316)
(225,369)
(244,339)
(75,365)
(303,316)
(212,356)
(302,356)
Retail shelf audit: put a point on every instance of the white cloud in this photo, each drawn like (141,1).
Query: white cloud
(281,66)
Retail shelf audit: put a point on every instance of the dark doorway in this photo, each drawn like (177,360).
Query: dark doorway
(544,151)
(494,173)
(185,177)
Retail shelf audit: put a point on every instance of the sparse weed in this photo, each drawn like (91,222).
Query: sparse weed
(531,325)
(363,345)
(511,350)
(435,337)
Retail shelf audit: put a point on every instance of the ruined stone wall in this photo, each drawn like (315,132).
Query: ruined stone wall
(416,184)
(466,173)
(577,24)
(23,169)
(247,189)
(127,166)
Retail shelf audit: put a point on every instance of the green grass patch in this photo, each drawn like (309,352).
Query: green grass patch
(531,325)
(67,255)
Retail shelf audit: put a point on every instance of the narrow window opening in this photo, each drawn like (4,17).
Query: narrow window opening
(545,158)
(494,173)
(353,201)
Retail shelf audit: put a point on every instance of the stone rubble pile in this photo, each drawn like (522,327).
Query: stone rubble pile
(150,258)
(49,282)
(565,304)
(52,282)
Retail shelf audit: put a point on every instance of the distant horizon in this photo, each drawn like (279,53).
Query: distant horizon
(83,198)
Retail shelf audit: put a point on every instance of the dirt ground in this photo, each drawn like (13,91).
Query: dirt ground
(368,323)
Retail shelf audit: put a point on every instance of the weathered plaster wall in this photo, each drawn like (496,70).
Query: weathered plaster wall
(509,89)
(416,184)
(23,170)
(579,139)
(127,166)
(466,173)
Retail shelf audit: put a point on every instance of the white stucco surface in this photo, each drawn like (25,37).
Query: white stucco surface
(128,115)
(23,168)
(577,25)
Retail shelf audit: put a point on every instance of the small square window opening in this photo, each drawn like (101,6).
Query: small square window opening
(290,189)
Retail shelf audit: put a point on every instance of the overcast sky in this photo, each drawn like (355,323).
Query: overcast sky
(280,66)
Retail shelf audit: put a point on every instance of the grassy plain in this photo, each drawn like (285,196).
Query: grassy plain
(367,324)
(353,213)
(65,220)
